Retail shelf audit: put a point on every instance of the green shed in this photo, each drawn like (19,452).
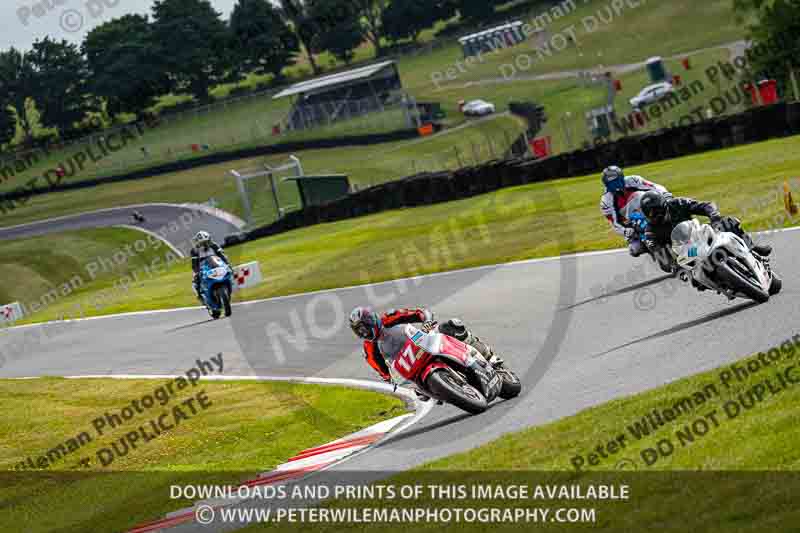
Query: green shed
(322,188)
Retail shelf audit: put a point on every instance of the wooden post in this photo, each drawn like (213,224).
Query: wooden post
(795,89)
(458,156)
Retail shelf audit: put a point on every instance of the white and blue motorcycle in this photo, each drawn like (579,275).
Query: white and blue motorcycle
(722,262)
(216,286)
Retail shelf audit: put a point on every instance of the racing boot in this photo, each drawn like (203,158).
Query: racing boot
(734,225)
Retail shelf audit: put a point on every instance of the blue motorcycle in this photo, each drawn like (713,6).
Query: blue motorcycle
(216,286)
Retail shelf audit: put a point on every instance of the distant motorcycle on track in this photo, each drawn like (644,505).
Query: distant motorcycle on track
(721,261)
(138,218)
(216,286)
(451,371)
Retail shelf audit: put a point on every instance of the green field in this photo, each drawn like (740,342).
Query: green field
(248,428)
(484,140)
(537,220)
(249,122)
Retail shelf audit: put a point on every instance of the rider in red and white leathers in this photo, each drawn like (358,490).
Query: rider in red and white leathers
(382,336)
(621,199)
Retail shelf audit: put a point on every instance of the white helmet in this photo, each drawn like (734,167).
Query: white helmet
(202,238)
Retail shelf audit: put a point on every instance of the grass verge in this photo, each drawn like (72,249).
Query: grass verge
(247,428)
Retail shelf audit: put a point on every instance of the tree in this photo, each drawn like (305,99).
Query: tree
(774,27)
(263,42)
(59,89)
(406,19)
(475,10)
(372,12)
(192,44)
(124,69)
(16,85)
(300,15)
(337,24)
(8,124)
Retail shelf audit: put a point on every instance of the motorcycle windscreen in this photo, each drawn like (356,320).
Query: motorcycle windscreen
(684,237)
(213,262)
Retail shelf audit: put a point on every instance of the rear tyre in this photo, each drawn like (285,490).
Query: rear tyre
(512,386)
(738,283)
(444,386)
(776,285)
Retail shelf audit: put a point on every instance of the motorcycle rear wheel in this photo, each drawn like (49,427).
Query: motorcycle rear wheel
(445,387)
(511,384)
(776,285)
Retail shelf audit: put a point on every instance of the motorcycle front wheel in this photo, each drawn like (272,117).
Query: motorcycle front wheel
(223,299)
(736,279)
(444,385)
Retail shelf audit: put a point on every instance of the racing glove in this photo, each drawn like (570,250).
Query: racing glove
(629,233)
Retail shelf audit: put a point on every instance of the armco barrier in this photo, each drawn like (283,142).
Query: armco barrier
(754,125)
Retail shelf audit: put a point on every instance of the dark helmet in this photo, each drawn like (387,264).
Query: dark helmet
(365,323)
(614,179)
(654,206)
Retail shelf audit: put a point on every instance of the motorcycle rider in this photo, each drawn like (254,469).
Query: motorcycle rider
(137,217)
(621,199)
(382,336)
(202,247)
(664,212)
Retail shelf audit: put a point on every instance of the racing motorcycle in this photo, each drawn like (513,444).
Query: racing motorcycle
(451,371)
(722,262)
(216,286)
(138,218)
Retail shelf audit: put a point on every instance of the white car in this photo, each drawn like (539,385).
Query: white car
(651,94)
(478,108)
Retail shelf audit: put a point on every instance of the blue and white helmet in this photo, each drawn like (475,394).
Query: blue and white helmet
(613,179)
(201,239)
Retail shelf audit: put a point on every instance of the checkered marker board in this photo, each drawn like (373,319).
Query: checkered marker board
(10,313)
(247,275)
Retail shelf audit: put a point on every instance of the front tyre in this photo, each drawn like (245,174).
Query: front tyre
(224,299)
(738,282)
(446,387)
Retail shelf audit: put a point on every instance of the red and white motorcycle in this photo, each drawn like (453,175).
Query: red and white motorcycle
(451,371)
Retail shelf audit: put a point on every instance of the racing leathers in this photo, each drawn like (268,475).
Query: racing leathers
(619,206)
(198,254)
(392,338)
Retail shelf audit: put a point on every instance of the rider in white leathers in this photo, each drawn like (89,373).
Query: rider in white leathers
(621,199)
